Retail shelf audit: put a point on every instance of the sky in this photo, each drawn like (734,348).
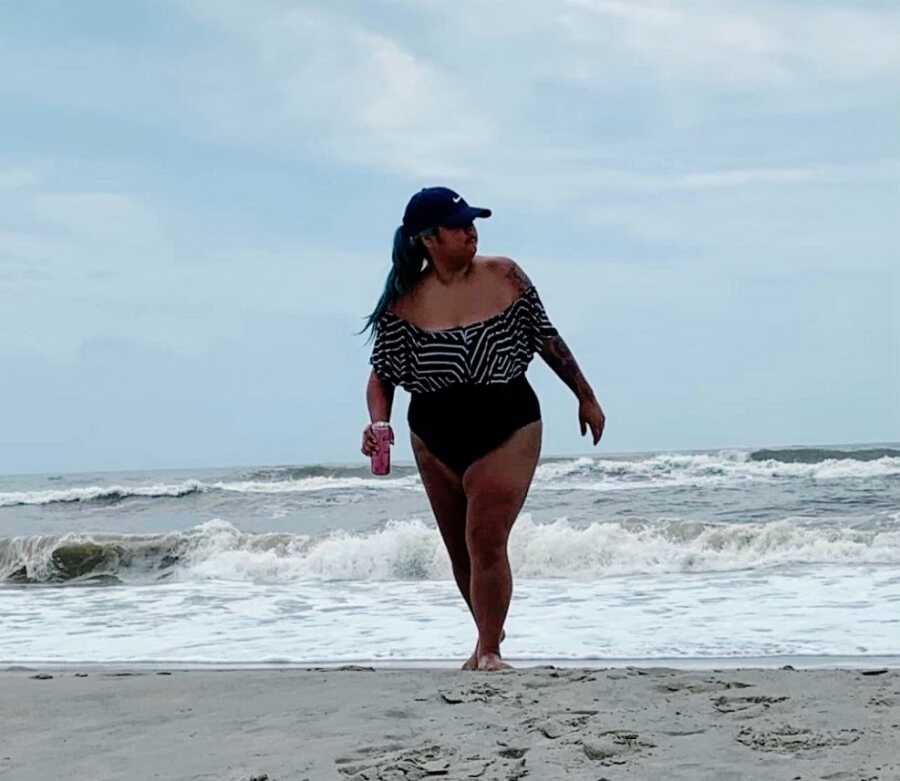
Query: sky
(197,200)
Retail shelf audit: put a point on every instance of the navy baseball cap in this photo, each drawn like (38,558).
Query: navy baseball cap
(434,206)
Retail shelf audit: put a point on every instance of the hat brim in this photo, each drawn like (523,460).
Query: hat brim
(465,216)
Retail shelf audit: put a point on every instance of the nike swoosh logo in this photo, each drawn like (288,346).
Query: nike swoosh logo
(457,199)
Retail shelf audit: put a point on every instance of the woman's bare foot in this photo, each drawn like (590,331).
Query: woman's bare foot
(472,662)
(492,662)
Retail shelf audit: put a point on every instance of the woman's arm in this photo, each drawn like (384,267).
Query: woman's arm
(380,399)
(554,350)
(558,356)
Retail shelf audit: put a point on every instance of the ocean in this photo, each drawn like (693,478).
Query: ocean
(727,554)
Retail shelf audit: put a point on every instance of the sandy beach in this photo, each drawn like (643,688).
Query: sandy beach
(364,724)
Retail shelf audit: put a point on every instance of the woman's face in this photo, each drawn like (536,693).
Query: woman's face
(459,241)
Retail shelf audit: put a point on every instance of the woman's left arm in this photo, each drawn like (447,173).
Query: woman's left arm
(559,357)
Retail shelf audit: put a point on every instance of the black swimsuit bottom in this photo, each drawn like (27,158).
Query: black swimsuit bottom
(463,422)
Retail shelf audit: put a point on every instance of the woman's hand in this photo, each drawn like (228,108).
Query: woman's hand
(370,441)
(590,414)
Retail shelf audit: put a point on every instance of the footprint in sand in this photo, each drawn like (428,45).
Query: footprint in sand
(614,747)
(473,692)
(787,738)
(430,761)
(701,687)
(547,677)
(559,724)
(368,763)
(511,752)
(758,704)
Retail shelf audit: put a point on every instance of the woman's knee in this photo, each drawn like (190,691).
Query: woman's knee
(484,553)
(487,534)
(492,510)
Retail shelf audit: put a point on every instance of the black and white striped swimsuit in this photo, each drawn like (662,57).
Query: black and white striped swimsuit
(468,387)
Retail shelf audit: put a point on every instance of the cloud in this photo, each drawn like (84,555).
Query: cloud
(58,243)
(884,170)
(480,97)
(304,81)
(18,179)
(301,76)
(579,188)
(700,45)
(97,216)
(470,91)
(736,45)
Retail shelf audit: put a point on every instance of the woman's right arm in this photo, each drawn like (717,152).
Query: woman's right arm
(380,399)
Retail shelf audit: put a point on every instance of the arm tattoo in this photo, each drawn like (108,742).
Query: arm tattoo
(518,278)
(559,357)
(553,350)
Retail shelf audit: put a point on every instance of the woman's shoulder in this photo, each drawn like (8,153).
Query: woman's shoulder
(400,306)
(500,272)
(511,273)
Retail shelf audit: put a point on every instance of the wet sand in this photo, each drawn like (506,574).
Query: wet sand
(388,724)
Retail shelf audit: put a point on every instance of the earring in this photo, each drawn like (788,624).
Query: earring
(424,265)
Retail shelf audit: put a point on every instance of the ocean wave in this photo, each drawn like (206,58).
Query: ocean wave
(106,557)
(669,469)
(585,473)
(117,493)
(413,550)
(813,455)
(279,474)
(317,483)
(97,493)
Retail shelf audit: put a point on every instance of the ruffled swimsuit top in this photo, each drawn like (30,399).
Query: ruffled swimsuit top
(496,350)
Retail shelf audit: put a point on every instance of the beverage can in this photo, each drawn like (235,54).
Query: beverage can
(381,458)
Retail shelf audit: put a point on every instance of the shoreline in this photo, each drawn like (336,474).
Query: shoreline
(361,724)
(797,661)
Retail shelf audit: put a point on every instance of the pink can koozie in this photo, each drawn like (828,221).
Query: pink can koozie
(381,458)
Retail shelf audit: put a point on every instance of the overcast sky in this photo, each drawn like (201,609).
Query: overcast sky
(198,200)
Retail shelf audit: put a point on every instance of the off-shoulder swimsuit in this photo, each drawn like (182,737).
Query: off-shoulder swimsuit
(467,385)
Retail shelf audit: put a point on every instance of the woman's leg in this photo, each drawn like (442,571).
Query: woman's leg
(448,502)
(495,487)
(449,505)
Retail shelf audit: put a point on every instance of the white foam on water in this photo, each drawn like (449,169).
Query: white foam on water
(830,610)
(413,550)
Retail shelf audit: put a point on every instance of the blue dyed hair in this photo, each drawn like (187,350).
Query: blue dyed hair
(407,266)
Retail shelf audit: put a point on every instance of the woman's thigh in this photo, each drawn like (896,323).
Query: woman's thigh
(446,496)
(496,486)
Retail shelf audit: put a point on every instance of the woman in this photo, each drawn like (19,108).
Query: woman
(457,330)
